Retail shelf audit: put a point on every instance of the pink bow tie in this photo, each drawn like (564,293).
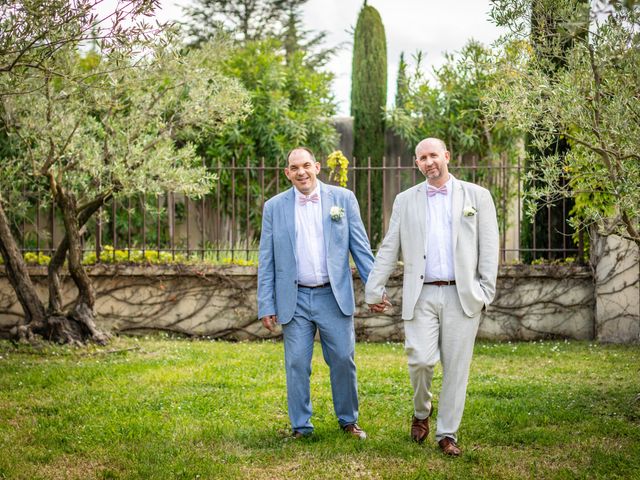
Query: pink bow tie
(432,191)
(313,198)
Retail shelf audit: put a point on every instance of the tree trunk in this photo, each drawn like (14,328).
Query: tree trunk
(75,327)
(79,324)
(16,271)
(53,278)
(57,261)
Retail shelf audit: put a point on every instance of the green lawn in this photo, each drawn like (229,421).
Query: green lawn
(163,409)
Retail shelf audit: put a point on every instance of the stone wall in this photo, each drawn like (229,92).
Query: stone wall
(541,301)
(617,289)
(220,302)
(532,302)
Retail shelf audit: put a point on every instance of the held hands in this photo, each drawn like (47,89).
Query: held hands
(270,322)
(382,306)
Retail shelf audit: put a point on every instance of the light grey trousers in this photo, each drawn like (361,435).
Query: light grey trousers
(440,331)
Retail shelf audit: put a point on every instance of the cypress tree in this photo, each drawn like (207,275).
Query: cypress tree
(402,83)
(368,99)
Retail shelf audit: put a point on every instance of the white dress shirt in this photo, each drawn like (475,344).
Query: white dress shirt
(438,243)
(310,251)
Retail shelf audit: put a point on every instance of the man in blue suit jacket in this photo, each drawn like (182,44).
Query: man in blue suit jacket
(305,284)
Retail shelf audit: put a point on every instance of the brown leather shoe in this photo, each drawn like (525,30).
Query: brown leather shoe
(299,435)
(354,430)
(420,428)
(449,447)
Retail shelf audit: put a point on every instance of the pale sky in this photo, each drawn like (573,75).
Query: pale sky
(433,26)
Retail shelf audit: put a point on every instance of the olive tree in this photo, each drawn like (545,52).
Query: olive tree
(86,127)
(583,88)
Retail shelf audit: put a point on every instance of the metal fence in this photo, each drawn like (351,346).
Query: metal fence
(224,226)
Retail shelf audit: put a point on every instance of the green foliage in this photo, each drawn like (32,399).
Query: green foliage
(111,125)
(33,31)
(245,21)
(278,62)
(402,83)
(256,20)
(452,107)
(368,101)
(580,86)
(295,38)
(239,261)
(116,121)
(36,258)
(291,106)
(166,408)
(109,255)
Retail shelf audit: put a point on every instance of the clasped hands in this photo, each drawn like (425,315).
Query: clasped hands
(270,321)
(382,306)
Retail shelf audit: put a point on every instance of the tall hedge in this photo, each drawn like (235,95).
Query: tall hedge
(368,99)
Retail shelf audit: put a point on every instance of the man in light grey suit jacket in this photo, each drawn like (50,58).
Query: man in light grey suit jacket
(447,231)
(305,284)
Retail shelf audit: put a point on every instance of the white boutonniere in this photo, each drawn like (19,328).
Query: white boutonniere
(336,213)
(469,211)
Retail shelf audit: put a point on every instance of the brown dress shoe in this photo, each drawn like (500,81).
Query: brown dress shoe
(354,430)
(420,428)
(449,447)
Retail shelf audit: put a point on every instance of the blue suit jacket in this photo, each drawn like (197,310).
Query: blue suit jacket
(277,263)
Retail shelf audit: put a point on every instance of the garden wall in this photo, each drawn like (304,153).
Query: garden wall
(617,289)
(220,302)
(532,302)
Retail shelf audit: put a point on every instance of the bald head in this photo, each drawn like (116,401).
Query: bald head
(432,159)
(299,150)
(302,170)
(431,141)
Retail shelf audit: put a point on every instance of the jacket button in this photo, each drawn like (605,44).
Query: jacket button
(424,256)
(295,282)
(421,277)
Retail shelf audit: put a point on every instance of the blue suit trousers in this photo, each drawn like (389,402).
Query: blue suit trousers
(317,310)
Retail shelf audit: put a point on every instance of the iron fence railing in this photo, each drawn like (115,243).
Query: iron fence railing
(224,225)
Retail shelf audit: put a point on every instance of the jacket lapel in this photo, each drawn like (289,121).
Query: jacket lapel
(456,210)
(421,212)
(326,198)
(290,218)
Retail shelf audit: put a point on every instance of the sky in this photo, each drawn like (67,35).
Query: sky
(433,26)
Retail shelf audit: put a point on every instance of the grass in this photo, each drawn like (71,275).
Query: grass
(159,408)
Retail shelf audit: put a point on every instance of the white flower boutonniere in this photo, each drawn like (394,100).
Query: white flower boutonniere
(336,213)
(469,211)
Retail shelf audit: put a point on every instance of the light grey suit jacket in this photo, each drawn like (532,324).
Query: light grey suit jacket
(277,263)
(475,246)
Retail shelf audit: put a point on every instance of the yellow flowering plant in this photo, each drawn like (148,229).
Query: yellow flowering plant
(338,165)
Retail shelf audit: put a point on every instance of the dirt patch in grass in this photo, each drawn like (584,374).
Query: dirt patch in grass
(68,467)
(351,468)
